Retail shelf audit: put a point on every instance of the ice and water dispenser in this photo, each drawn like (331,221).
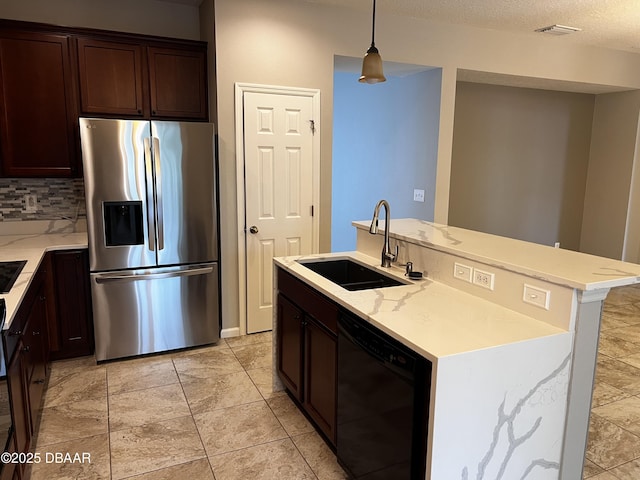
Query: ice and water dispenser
(123,223)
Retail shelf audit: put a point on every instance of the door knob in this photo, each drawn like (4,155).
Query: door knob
(253,229)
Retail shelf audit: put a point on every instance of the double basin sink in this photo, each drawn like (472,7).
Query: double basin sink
(350,275)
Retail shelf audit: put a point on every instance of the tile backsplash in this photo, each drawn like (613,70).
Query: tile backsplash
(57,198)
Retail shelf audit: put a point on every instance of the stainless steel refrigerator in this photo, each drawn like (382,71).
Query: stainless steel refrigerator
(152,224)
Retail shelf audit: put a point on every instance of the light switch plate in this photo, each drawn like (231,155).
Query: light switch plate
(536,296)
(30,203)
(462,272)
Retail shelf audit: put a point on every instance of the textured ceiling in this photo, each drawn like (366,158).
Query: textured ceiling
(605,23)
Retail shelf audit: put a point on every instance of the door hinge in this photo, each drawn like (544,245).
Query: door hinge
(312,210)
(312,123)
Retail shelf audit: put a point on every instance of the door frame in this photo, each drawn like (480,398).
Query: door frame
(240,89)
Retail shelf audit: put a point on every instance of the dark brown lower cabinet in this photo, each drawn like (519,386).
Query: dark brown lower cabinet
(26,348)
(320,360)
(18,399)
(8,470)
(290,341)
(35,353)
(70,324)
(307,350)
(55,311)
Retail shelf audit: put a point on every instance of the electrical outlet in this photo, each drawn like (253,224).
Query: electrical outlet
(484,279)
(462,272)
(30,203)
(418,195)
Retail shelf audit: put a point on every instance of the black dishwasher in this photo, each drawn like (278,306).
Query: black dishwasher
(383,404)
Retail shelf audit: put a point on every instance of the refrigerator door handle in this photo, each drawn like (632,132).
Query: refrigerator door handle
(118,277)
(159,209)
(151,231)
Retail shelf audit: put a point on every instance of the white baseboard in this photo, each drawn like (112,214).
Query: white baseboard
(230,332)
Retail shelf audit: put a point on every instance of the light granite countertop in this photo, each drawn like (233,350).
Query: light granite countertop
(433,319)
(32,248)
(556,265)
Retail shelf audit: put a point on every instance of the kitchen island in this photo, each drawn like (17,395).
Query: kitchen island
(511,331)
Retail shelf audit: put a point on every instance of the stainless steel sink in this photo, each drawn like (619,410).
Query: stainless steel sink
(350,275)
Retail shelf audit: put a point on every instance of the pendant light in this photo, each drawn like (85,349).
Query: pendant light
(372,62)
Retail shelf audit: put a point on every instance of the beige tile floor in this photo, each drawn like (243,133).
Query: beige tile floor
(613,450)
(210,413)
(202,414)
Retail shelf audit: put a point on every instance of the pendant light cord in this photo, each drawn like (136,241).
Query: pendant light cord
(373,26)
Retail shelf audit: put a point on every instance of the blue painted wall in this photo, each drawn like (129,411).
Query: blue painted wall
(385,143)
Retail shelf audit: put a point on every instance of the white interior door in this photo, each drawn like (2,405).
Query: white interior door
(278,146)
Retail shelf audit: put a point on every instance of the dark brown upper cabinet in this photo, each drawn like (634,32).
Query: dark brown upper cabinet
(178,82)
(142,80)
(37,110)
(50,75)
(112,77)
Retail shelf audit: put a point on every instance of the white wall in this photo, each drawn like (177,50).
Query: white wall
(385,144)
(519,162)
(613,147)
(148,17)
(631,248)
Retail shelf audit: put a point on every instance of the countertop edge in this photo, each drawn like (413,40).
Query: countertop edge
(624,277)
(51,242)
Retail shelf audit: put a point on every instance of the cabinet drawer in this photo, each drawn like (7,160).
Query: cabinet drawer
(314,304)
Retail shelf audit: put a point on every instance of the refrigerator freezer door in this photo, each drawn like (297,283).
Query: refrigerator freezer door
(154,310)
(119,193)
(184,168)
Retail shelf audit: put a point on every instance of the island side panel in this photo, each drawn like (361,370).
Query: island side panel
(276,383)
(585,353)
(480,397)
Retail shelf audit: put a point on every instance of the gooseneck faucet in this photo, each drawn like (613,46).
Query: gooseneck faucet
(387,255)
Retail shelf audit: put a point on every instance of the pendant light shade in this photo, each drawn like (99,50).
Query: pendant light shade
(372,62)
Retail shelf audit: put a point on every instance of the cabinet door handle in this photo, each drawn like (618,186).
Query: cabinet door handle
(15,334)
(26,349)
(39,381)
(36,333)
